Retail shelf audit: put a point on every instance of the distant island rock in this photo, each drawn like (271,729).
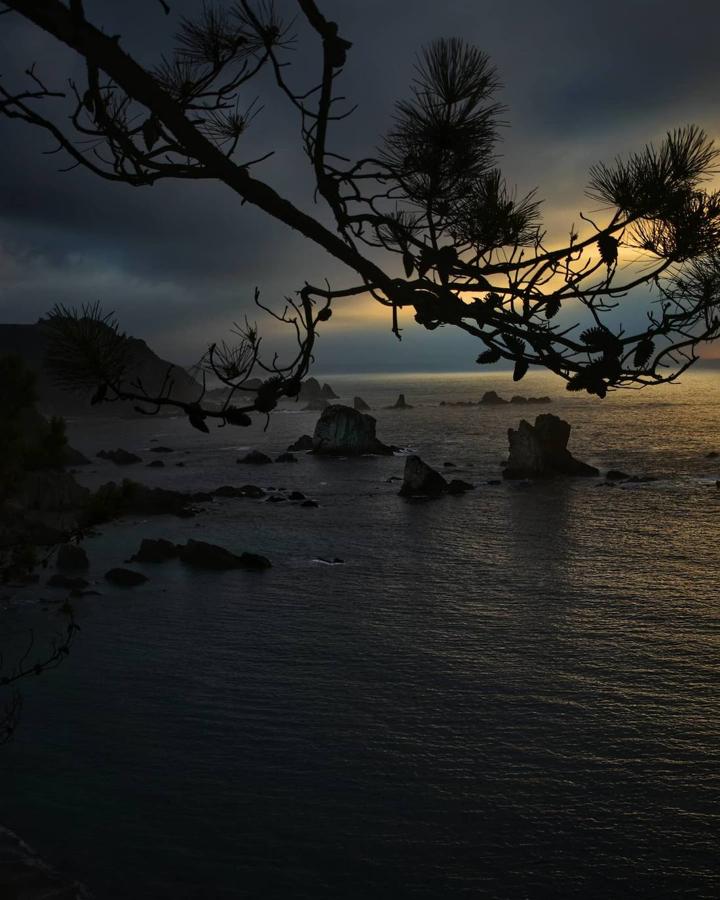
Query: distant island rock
(540,450)
(492,398)
(343,431)
(29,342)
(255,458)
(360,405)
(400,403)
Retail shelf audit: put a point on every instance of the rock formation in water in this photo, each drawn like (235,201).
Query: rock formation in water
(120,457)
(400,403)
(303,443)
(492,398)
(540,450)
(201,555)
(328,393)
(255,458)
(360,405)
(343,431)
(421,480)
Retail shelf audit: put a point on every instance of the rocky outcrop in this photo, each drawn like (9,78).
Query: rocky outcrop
(421,480)
(125,577)
(540,450)
(492,398)
(303,443)
(328,393)
(201,555)
(111,501)
(343,431)
(286,457)
(400,403)
(255,458)
(30,341)
(360,405)
(120,457)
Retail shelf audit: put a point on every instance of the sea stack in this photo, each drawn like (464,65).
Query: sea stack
(540,450)
(343,431)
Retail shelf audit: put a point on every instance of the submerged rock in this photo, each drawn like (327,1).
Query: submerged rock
(156,464)
(344,431)
(540,450)
(202,555)
(161,449)
(256,458)
(458,486)
(420,480)
(120,457)
(286,457)
(616,475)
(125,577)
(360,405)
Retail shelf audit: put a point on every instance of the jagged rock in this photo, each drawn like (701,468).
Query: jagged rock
(304,442)
(125,577)
(518,399)
(420,480)
(540,450)
(492,398)
(400,403)
(120,457)
(296,495)
(360,405)
(67,582)
(310,390)
(202,555)
(156,464)
(71,558)
(458,486)
(155,551)
(256,458)
(344,431)
(328,393)
(161,449)
(286,457)
(616,475)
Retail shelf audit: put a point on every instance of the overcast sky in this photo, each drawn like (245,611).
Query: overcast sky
(178,262)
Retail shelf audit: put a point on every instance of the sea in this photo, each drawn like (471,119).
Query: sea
(512,693)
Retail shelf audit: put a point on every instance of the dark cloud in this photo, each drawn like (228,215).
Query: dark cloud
(180,260)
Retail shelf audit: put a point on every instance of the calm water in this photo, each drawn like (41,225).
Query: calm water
(509,694)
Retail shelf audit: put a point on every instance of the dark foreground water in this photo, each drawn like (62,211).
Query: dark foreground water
(510,694)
